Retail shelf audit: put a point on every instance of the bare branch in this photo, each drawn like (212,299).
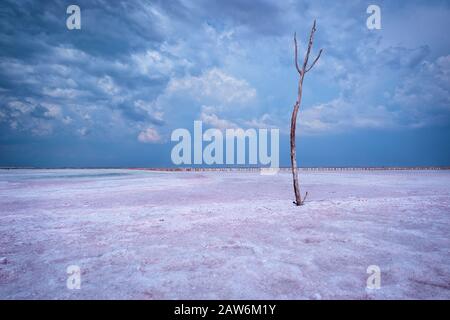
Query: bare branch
(298,198)
(296,59)
(310,43)
(315,60)
(304,198)
(302,201)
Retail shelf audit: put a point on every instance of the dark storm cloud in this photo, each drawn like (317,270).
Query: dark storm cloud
(136,65)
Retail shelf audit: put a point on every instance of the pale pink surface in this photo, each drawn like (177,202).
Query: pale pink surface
(224,235)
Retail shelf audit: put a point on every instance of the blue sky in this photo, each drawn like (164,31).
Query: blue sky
(111,93)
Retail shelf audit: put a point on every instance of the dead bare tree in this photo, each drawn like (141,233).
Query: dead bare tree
(305,68)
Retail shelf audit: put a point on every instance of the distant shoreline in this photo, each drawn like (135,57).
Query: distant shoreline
(289,169)
(249,169)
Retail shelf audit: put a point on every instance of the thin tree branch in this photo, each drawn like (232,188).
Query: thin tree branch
(304,198)
(296,59)
(315,60)
(310,43)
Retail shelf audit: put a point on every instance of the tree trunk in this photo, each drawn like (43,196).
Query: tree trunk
(298,199)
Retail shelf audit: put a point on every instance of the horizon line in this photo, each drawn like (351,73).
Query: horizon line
(188,169)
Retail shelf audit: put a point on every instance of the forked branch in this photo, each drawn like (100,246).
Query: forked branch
(310,43)
(314,62)
(296,59)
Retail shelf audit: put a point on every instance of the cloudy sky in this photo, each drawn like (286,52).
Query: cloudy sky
(111,93)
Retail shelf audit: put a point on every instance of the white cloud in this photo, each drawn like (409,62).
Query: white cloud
(149,135)
(61,92)
(18,107)
(423,94)
(67,120)
(107,84)
(53,111)
(69,54)
(210,118)
(83,131)
(341,114)
(150,108)
(152,63)
(156,64)
(213,85)
(263,122)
